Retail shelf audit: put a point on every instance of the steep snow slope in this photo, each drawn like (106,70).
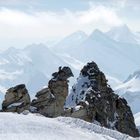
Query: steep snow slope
(32,127)
(123,34)
(130,90)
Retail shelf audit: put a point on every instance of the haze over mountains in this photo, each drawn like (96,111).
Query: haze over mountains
(116,52)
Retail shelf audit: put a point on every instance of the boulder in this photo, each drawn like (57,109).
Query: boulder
(99,104)
(17,99)
(50,101)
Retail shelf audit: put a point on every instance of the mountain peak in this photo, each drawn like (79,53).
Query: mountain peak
(96,32)
(122,34)
(98,35)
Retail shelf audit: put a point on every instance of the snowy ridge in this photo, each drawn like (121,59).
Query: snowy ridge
(33,127)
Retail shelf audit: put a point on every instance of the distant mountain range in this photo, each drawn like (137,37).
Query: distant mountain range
(117,58)
(117,53)
(124,34)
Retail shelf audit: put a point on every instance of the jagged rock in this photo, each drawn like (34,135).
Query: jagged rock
(50,101)
(17,99)
(101,105)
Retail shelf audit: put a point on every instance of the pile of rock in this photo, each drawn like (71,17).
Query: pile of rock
(96,102)
(50,101)
(17,99)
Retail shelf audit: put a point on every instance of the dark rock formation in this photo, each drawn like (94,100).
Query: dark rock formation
(50,101)
(93,100)
(17,99)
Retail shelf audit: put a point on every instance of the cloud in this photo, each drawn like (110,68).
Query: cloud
(47,24)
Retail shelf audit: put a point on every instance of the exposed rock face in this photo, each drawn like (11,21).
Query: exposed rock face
(17,99)
(93,100)
(50,101)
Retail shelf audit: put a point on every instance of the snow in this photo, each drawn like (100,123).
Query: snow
(123,34)
(133,85)
(72,40)
(3,61)
(137,119)
(2,89)
(34,65)
(77,92)
(9,75)
(15,104)
(75,63)
(130,90)
(113,81)
(117,59)
(35,127)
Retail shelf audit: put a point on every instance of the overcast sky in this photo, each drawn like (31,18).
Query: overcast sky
(24,22)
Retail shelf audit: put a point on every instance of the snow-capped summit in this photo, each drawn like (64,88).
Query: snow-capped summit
(130,90)
(97,34)
(122,34)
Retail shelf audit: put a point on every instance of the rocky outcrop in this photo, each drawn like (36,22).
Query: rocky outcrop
(50,101)
(17,99)
(93,100)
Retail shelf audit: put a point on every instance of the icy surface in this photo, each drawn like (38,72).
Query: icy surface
(33,127)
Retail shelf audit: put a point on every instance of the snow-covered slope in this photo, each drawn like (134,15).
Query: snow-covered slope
(123,34)
(130,90)
(32,127)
